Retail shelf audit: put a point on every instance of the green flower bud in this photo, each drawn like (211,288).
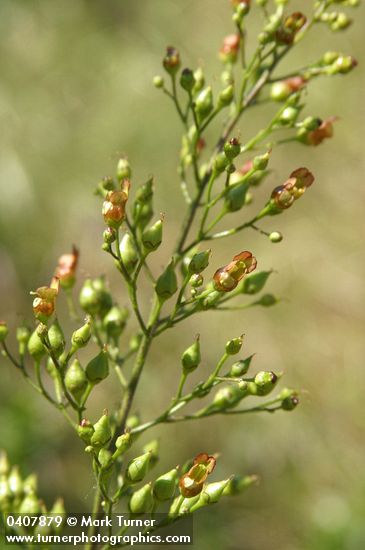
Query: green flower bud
(56,338)
(265,382)
(30,505)
(232,148)
(236,197)
(199,80)
(133,421)
(255,282)
(238,484)
(196,280)
(165,485)
(94,297)
(275,237)
(102,432)
(226,96)
(4,331)
(187,80)
(141,501)
(289,116)
(158,81)
(152,236)
(35,346)
(191,357)
(289,398)
(109,236)
(152,447)
(15,482)
(98,368)
(115,320)
(75,379)
(124,170)
(81,336)
(280,91)
(204,103)
(128,253)
(260,162)
(229,396)
(22,336)
(85,430)
(240,368)
(138,467)
(220,163)
(166,284)
(122,444)
(199,262)
(267,300)
(233,346)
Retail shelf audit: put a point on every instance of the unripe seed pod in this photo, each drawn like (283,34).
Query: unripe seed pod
(4,463)
(232,148)
(191,357)
(56,338)
(240,368)
(123,443)
(30,484)
(35,346)
(22,335)
(30,505)
(128,252)
(210,494)
(187,80)
(267,300)
(98,368)
(289,398)
(166,284)
(105,458)
(115,320)
(124,170)
(289,116)
(15,482)
(275,237)
(260,162)
(133,421)
(199,262)
(199,80)
(85,431)
(134,342)
(94,297)
(81,336)
(165,485)
(236,197)
(75,379)
(220,163)
(152,447)
(234,346)
(141,501)
(255,282)
(226,96)
(265,382)
(138,467)
(152,236)
(4,331)
(229,396)
(102,432)
(204,103)
(238,484)
(158,81)
(196,280)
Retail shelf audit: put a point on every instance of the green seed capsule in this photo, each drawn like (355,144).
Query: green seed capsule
(187,80)
(35,346)
(152,236)
(166,285)
(122,444)
(141,501)
(94,297)
(15,482)
(229,396)
(255,282)
(98,368)
(4,463)
(124,170)
(275,237)
(30,505)
(235,198)
(191,357)
(211,494)
(105,458)
(75,379)
(138,467)
(225,97)
(234,346)
(158,81)
(56,338)
(232,148)
(22,335)
(267,300)
(238,484)
(30,484)
(204,103)
(4,331)
(133,421)
(153,447)
(81,336)
(165,485)
(102,432)
(220,163)
(265,382)
(128,253)
(289,398)
(199,262)
(115,320)
(240,368)
(85,431)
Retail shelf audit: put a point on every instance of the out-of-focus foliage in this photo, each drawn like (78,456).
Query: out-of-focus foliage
(75,92)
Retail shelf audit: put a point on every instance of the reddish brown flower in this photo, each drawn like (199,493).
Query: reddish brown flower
(171,61)
(291,26)
(295,83)
(284,195)
(226,278)
(230,48)
(191,483)
(324,131)
(66,268)
(45,302)
(114,205)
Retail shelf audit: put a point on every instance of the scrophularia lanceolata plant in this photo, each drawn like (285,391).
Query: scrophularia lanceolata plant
(217,178)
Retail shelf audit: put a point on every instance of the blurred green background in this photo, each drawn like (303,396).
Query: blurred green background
(76,92)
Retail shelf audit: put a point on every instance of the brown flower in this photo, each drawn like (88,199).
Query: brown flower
(226,278)
(171,61)
(45,302)
(191,483)
(324,131)
(230,48)
(114,205)
(291,26)
(66,268)
(284,195)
